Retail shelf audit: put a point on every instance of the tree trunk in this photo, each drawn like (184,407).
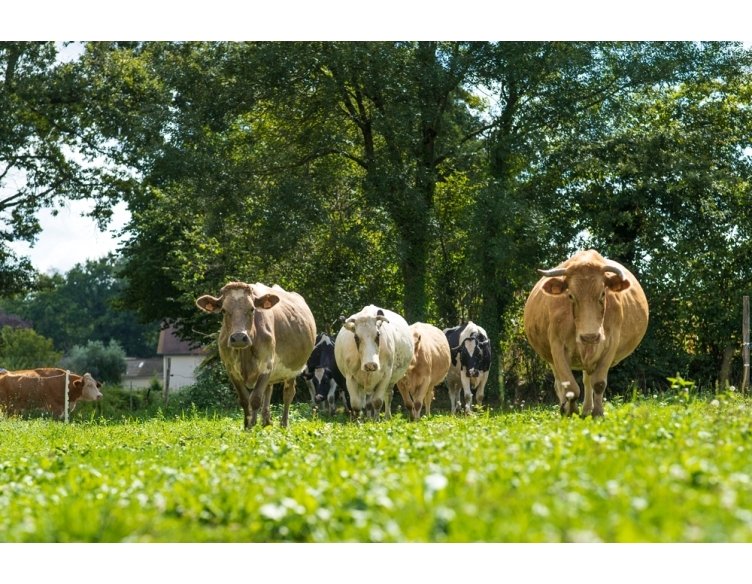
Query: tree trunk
(725,374)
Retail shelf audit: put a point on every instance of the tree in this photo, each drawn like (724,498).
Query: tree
(45,156)
(23,348)
(106,363)
(83,305)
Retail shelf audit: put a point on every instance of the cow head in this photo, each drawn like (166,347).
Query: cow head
(89,388)
(471,354)
(367,333)
(237,303)
(586,287)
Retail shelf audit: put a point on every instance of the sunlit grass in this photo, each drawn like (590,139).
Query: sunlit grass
(650,471)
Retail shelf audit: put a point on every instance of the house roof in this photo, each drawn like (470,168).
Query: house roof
(136,367)
(171,344)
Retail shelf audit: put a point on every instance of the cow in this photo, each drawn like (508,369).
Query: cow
(471,361)
(44,389)
(587,314)
(373,351)
(265,338)
(428,368)
(324,379)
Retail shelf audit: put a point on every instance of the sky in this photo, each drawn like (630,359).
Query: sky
(70,238)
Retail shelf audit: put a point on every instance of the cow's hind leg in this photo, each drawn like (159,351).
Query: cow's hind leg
(454,398)
(288,393)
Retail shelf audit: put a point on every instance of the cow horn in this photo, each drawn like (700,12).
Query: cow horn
(553,273)
(614,269)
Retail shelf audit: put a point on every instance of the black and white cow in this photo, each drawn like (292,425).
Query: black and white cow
(471,360)
(324,379)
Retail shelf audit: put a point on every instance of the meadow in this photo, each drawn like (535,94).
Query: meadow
(653,470)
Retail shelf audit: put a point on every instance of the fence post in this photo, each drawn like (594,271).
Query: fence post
(166,392)
(66,399)
(745,343)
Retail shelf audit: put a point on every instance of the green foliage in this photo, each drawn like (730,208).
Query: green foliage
(83,305)
(211,392)
(105,362)
(652,471)
(22,348)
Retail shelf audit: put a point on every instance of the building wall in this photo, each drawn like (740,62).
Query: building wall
(182,370)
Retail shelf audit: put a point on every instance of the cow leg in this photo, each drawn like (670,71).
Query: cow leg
(257,399)
(357,398)
(567,389)
(466,391)
(427,401)
(331,397)
(243,397)
(599,383)
(382,396)
(288,393)
(312,391)
(481,391)
(454,397)
(420,398)
(587,405)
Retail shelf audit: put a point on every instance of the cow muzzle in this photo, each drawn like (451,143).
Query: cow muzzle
(240,340)
(591,339)
(320,398)
(473,373)
(370,367)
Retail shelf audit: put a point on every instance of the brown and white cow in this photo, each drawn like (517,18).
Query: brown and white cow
(586,314)
(427,369)
(31,390)
(266,337)
(373,351)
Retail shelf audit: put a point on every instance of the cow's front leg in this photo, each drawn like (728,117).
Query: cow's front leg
(288,393)
(257,399)
(454,397)
(466,391)
(382,395)
(357,398)
(481,391)
(599,384)
(587,405)
(567,389)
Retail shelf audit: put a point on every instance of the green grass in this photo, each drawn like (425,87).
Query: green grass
(651,471)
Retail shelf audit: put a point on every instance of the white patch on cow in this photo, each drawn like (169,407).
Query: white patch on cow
(237,294)
(318,373)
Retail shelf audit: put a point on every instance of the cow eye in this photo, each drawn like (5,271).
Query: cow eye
(571,296)
(378,336)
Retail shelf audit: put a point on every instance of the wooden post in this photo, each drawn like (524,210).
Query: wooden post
(745,343)
(167,380)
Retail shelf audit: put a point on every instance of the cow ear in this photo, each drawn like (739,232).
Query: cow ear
(266,301)
(349,325)
(617,284)
(554,286)
(209,304)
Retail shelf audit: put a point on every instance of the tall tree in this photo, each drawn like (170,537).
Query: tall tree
(45,157)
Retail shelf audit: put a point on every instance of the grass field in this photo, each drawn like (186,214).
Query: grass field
(676,470)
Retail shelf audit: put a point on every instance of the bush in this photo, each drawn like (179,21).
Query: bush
(105,363)
(23,348)
(212,390)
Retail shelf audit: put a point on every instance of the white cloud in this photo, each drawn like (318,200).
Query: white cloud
(70,238)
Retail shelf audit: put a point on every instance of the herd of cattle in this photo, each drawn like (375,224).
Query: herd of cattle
(586,314)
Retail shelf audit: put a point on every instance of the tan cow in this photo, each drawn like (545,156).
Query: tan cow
(43,389)
(266,337)
(427,369)
(587,314)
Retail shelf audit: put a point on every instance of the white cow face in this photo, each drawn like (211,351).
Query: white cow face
(91,387)
(367,333)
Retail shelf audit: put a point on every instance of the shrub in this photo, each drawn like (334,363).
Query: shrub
(105,363)
(24,348)
(212,389)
